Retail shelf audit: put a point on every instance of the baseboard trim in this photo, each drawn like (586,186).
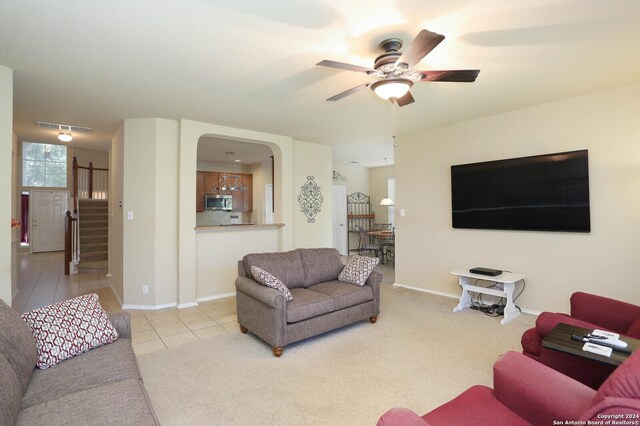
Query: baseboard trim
(115,293)
(187,305)
(150,307)
(217,296)
(454,296)
(424,290)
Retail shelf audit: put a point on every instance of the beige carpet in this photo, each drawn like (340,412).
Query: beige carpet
(418,355)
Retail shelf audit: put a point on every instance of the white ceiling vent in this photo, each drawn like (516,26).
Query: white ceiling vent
(63,127)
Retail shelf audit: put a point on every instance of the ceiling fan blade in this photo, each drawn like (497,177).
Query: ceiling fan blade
(405,100)
(462,76)
(343,66)
(349,92)
(424,43)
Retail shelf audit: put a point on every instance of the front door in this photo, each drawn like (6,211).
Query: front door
(48,210)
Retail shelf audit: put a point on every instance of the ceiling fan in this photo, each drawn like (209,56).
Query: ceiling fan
(394,69)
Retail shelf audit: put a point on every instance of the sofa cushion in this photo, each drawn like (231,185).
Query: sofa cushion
(358,269)
(287,266)
(472,407)
(118,403)
(266,279)
(624,382)
(110,363)
(320,265)
(17,344)
(10,393)
(308,304)
(343,294)
(69,328)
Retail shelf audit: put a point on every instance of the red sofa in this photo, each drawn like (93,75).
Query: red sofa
(526,392)
(588,311)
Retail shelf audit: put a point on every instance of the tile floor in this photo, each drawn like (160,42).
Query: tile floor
(41,281)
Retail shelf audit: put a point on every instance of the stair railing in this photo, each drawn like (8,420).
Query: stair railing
(88,182)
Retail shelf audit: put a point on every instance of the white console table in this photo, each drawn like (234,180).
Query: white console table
(508,281)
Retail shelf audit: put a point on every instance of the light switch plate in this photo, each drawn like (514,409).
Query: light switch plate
(130,215)
(402,212)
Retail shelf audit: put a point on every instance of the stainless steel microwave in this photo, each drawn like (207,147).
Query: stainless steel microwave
(218,202)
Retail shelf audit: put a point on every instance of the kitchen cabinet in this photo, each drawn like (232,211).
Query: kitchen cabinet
(242,200)
(199,191)
(247,196)
(210,180)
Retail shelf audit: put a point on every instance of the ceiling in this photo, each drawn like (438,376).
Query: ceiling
(250,63)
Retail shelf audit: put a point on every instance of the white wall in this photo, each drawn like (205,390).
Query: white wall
(99,159)
(150,244)
(357,178)
(166,203)
(378,181)
(6,142)
(604,261)
(116,224)
(261,176)
(218,253)
(314,160)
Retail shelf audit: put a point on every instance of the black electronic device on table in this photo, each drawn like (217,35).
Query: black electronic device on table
(485,271)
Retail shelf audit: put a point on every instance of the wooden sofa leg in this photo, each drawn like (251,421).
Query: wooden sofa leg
(243,329)
(373,319)
(277,351)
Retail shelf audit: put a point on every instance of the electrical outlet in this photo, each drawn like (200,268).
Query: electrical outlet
(145,289)
(402,212)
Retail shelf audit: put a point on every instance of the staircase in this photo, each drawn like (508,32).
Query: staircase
(94,228)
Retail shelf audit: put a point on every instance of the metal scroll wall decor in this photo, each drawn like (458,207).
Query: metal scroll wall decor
(338,177)
(310,199)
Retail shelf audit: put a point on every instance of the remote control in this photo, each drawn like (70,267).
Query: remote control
(616,345)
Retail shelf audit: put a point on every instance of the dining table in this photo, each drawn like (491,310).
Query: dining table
(384,239)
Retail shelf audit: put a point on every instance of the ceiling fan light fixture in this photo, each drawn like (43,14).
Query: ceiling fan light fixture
(392,88)
(65,137)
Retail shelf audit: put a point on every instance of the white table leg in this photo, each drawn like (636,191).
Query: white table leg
(510,310)
(465,299)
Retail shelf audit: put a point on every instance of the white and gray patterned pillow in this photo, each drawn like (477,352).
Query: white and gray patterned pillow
(265,278)
(358,270)
(69,328)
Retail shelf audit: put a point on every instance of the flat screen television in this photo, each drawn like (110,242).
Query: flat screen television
(540,193)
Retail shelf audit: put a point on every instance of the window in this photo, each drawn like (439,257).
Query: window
(44,165)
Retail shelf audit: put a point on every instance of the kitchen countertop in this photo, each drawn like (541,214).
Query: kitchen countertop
(238,227)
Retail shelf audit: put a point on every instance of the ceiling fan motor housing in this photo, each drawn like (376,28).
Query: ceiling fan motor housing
(386,61)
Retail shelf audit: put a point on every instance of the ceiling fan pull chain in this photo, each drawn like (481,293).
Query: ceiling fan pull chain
(394,121)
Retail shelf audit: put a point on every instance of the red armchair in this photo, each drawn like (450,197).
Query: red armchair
(526,392)
(588,311)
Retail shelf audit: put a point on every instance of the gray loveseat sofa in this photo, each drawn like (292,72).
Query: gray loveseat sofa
(320,302)
(102,386)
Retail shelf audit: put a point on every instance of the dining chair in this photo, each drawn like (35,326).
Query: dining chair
(365,243)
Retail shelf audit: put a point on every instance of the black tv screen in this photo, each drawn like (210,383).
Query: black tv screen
(539,193)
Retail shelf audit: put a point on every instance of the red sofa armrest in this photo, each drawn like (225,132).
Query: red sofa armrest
(401,417)
(538,393)
(547,321)
(607,313)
